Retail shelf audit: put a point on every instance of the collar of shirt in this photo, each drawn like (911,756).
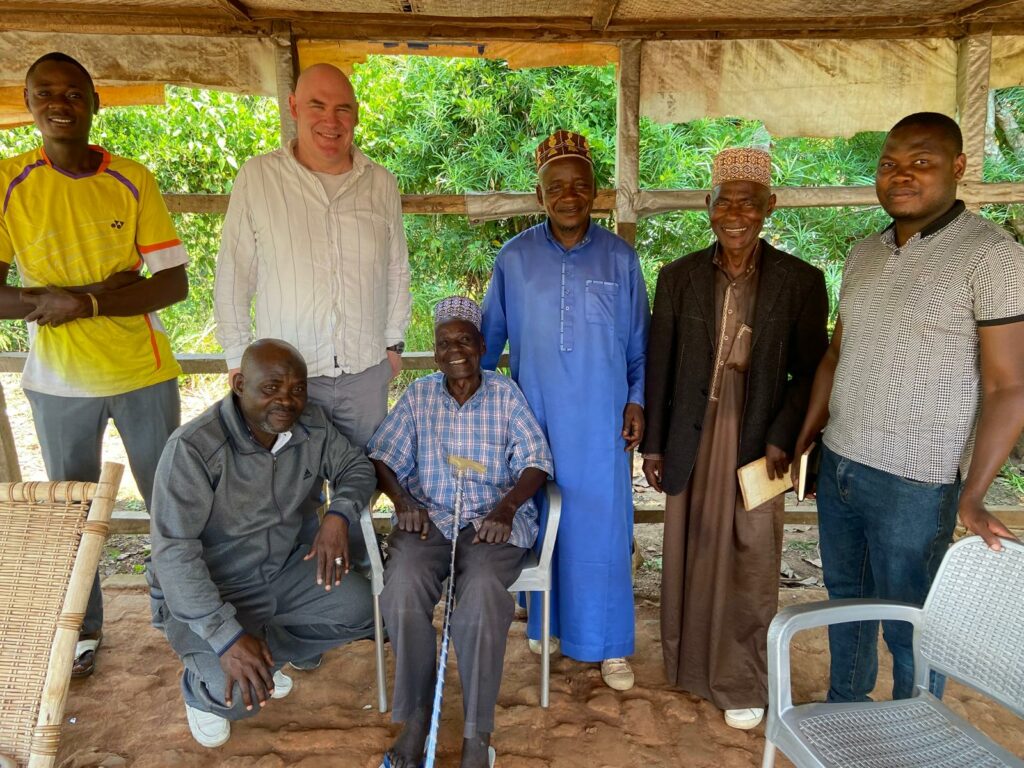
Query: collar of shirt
(474,400)
(243,438)
(554,241)
(281,441)
(889,233)
(755,262)
(360,162)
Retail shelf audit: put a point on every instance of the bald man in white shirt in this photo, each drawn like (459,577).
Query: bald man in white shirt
(314,237)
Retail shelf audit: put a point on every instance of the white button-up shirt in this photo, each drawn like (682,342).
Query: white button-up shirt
(330,276)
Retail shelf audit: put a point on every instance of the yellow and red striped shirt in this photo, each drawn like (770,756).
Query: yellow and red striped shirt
(68,230)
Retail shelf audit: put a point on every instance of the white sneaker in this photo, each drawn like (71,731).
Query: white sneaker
(282,685)
(744,719)
(553,646)
(208,729)
(617,674)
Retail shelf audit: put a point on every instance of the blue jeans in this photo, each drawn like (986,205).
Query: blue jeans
(882,536)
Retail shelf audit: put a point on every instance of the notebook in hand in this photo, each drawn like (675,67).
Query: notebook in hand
(809,462)
(755,485)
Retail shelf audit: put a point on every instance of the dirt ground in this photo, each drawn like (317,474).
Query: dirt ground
(130,712)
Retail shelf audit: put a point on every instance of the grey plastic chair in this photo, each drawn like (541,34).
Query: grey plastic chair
(535,577)
(969,629)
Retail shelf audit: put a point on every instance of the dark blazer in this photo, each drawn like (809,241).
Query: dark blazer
(789,340)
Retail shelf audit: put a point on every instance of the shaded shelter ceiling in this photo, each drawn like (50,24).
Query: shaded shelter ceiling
(523,19)
(796,64)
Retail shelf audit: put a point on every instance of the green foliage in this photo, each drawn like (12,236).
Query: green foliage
(471,126)
(1013,478)
(193,144)
(452,126)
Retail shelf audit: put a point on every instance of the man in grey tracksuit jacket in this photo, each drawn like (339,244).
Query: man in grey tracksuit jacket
(226,561)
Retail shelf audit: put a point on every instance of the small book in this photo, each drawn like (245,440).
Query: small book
(755,485)
(809,463)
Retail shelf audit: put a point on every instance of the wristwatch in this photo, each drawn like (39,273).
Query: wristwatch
(398,348)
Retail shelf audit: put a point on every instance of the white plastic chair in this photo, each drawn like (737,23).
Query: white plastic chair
(535,577)
(376,586)
(969,629)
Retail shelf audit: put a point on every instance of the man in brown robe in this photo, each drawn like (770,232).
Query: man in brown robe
(737,332)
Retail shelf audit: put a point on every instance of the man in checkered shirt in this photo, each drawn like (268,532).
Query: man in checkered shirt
(923,381)
(483,416)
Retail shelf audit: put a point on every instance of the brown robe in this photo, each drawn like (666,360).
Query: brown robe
(720,567)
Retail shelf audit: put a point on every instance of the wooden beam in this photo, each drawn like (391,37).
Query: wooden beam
(980,9)
(132,522)
(655,201)
(92,18)
(648,202)
(197,203)
(411,204)
(10,468)
(234,8)
(286,69)
(806,513)
(973,68)
(14,362)
(627,142)
(603,12)
(357,26)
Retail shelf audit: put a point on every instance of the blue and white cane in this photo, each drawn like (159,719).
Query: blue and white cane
(462,465)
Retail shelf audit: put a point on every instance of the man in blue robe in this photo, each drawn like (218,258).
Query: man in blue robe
(569,297)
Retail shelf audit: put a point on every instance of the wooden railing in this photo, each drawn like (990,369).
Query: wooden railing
(135,522)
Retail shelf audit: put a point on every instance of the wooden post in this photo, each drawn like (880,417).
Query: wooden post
(10,469)
(973,67)
(287,72)
(627,143)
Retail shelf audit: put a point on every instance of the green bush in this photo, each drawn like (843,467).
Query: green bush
(450,126)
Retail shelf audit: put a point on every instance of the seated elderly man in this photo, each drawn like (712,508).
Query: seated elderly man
(232,588)
(479,415)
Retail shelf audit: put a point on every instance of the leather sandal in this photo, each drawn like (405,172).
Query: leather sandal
(85,654)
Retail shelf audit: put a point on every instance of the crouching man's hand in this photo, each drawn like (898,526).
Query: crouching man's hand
(248,662)
(330,548)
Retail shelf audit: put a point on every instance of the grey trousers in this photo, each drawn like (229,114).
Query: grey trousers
(296,617)
(357,403)
(70,432)
(480,622)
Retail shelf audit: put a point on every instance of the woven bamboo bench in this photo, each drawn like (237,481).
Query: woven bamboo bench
(51,539)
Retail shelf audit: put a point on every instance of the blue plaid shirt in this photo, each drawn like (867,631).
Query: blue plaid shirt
(494,427)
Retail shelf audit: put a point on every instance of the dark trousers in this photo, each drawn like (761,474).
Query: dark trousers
(295,616)
(484,610)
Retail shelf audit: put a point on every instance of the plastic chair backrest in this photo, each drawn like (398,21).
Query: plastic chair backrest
(973,619)
(551,529)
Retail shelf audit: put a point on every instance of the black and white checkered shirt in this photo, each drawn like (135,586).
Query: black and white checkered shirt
(906,389)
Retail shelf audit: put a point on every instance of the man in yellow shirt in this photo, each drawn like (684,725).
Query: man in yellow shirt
(81,224)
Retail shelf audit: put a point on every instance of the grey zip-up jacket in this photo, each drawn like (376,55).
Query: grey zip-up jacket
(227,512)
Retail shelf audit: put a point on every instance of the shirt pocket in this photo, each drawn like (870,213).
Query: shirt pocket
(600,302)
